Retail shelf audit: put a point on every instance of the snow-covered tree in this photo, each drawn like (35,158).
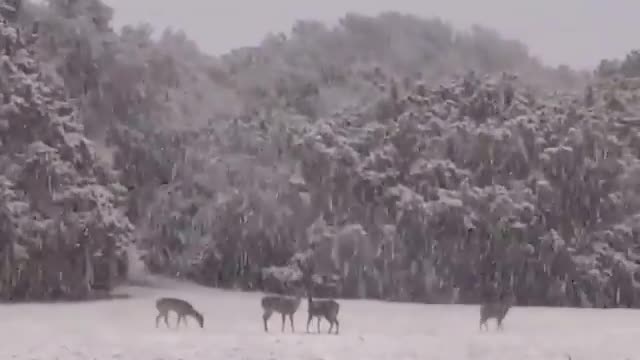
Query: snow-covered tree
(63,228)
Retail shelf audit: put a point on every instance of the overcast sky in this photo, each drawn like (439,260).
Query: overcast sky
(576,32)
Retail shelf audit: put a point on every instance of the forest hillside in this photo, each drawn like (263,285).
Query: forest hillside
(396,157)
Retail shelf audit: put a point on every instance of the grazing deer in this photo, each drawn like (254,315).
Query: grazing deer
(327,308)
(181,307)
(284,305)
(495,309)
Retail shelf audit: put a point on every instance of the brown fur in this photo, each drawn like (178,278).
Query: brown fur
(495,309)
(181,307)
(324,308)
(284,305)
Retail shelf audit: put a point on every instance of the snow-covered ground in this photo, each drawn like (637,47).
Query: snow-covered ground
(125,329)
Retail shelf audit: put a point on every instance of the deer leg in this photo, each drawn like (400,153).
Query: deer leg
(319,319)
(178,321)
(166,319)
(293,329)
(309,321)
(500,324)
(265,319)
(334,322)
(158,319)
(283,321)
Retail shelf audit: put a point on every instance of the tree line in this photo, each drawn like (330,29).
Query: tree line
(413,170)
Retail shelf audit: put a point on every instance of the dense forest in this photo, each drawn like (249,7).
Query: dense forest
(403,159)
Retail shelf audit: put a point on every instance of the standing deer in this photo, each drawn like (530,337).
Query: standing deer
(181,307)
(323,308)
(284,305)
(495,309)
(320,308)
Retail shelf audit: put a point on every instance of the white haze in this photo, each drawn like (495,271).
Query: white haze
(575,32)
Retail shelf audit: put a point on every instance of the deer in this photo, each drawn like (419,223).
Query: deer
(496,309)
(286,306)
(323,308)
(319,308)
(181,307)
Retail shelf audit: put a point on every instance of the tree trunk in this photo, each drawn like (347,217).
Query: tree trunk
(7,271)
(88,270)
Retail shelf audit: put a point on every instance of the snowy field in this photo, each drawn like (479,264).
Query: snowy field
(125,329)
